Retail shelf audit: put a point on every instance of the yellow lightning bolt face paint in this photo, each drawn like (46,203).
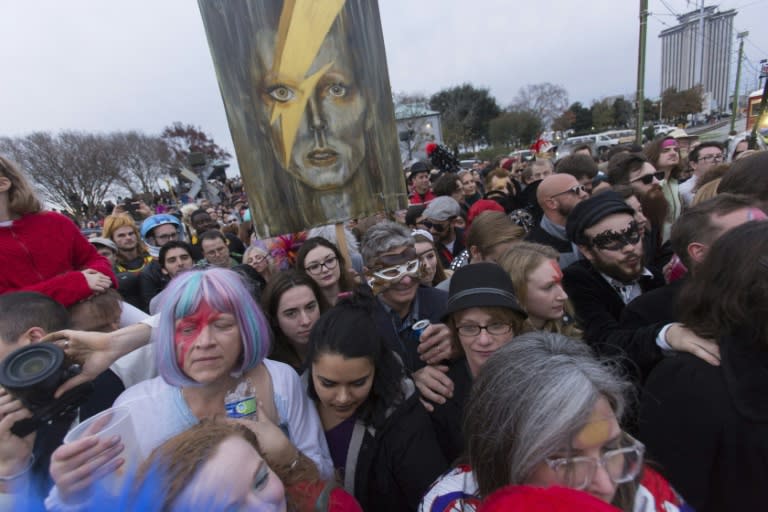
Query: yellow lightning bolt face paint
(304,25)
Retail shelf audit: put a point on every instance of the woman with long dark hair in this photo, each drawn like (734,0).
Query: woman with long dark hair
(380,438)
(323,262)
(293,303)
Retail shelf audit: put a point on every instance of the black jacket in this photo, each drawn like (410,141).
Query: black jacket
(598,310)
(151,282)
(539,236)
(656,306)
(106,388)
(432,303)
(447,418)
(446,256)
(394,466)
(708,426)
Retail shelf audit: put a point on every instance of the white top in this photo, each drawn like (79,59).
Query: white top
(140,364)
(159,412)
(686,190)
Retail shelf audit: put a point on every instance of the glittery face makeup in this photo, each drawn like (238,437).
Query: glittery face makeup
(188,329)
(616,240)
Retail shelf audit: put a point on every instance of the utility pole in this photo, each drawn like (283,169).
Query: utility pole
(735,107)
(641,71)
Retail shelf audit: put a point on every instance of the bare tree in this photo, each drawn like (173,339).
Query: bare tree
(547,101)
(143,160)
(72,169)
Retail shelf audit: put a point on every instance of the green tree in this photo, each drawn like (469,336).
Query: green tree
(515,128)
(466,113)
(622,113)
(582,118)
(602,115)
(678,104)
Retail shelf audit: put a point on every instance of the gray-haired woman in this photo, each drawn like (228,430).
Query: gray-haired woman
(544,412)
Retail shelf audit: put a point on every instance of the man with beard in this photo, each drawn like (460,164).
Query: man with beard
(692,236)
(557,195)
(634,170)
(440,219)
(611,275)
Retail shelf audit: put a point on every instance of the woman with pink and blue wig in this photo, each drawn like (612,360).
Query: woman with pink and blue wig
(211,339)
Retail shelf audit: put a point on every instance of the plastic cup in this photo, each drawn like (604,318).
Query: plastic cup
(112,422)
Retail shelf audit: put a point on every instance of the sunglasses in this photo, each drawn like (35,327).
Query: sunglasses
(439,227)
(647,179)
(613,241)
(396,272)
(576,189)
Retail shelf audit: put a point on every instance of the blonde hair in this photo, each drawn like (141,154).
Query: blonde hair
(520,261)
(706,191)
(22,198)
(490,229)
(120,220)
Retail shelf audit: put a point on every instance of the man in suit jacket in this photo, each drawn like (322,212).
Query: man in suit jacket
(611,275)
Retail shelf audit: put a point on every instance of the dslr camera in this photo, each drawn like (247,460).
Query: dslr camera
(33,374)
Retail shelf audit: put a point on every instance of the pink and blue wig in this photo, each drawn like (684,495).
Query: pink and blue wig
(224,291)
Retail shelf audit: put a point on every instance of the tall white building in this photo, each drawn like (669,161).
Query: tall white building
(682,66)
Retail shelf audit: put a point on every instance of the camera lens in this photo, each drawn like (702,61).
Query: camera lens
(30,366)
(33,373)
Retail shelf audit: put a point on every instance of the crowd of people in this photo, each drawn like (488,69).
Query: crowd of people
(580,334)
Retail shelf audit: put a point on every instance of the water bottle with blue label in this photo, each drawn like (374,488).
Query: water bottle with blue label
(241,402)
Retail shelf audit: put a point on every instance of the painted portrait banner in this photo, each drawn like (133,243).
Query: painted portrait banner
(306,91)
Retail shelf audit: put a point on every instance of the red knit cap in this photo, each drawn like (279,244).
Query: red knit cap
(480,206)
(523,498)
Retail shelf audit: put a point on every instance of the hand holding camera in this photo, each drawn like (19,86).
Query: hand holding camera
(15,451)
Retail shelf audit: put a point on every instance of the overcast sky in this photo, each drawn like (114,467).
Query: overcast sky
(103,65)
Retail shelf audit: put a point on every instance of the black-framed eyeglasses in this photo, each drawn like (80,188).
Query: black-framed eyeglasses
(329,264)
(622,464)
(647,179)
(494,329)
(576,189)
(614,241)
(714,158)
(167,238)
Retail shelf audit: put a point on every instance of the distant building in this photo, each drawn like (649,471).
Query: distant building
(681,54)
(417,125)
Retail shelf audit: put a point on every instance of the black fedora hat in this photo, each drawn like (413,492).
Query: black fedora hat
(481,285)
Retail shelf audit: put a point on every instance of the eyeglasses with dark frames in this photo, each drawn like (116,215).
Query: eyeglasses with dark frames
(494,329)
(647,179)
(329,264)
